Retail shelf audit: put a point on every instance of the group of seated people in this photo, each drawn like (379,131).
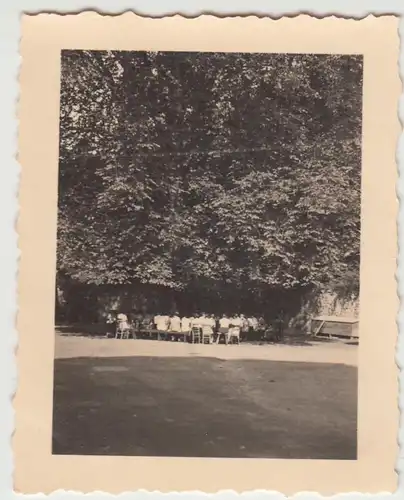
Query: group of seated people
(214,327)
(209,324)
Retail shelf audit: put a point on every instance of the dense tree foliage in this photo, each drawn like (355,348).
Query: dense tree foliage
(210,171)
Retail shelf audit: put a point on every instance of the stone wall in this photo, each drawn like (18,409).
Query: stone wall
(331,306)
(326,304)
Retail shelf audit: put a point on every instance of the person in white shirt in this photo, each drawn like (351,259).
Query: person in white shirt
(186,324)
(203,319)
(122,323)
(253,323)
(224,324)
(207,322)
(156,320)
(122,320)
(175,323)
(235,328)
(212,321)
(207,325)
(162,322)
(236,321)
(197,321)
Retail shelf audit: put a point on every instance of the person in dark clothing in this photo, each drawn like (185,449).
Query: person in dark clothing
(111,324)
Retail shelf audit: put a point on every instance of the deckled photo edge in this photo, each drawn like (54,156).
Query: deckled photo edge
(23,324)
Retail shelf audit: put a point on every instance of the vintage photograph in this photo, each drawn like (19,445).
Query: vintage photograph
(208,252)
(207,292)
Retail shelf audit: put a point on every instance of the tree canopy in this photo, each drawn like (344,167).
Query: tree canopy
(210,170)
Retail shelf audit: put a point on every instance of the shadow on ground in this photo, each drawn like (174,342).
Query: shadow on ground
(206,407)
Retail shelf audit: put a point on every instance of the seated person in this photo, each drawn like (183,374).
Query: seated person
(186,323)
(122,323)
(206,320)
(111,323)
(224,325)
(213,325)
(208,323)
(253,324)
(262,326)
(146,322)
(162,322)
(236,321)
(175,323)
(197,321)
(234,333)
(156,319)
(245,327)
(212,322)
(133,318)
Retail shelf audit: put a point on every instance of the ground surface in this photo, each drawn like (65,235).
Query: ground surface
(128,397)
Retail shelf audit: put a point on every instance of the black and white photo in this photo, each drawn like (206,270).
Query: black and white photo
(209,232)
(207,282)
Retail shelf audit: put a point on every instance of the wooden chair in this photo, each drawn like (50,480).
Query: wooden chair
(196,334)
(122,333)
(234,334)
(207,334)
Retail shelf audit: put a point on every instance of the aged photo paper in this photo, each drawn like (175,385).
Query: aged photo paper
(207,293)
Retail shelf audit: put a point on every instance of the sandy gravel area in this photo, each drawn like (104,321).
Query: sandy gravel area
(313,352)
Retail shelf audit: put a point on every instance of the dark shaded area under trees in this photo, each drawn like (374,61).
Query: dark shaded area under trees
(225,179)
